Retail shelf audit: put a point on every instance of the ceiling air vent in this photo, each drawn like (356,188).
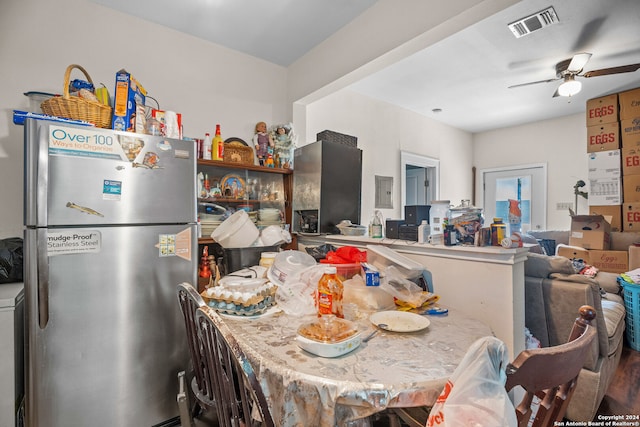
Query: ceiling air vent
(532,23)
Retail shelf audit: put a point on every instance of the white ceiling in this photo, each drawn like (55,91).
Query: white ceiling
(466,75)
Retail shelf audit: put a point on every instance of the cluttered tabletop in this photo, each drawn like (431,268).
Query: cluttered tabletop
(329,353)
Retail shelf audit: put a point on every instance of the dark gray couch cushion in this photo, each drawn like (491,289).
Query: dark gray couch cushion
(542,266)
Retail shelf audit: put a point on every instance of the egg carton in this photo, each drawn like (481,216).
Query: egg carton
(244,299)
(242,310)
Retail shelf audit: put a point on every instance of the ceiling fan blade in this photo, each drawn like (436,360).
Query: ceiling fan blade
(578,62)
(613,70)
(534,83)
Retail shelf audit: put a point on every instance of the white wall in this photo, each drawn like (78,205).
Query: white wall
(383,131)
(560,143)
(210,84)
(205,82)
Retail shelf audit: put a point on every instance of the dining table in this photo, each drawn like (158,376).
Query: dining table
(392,369)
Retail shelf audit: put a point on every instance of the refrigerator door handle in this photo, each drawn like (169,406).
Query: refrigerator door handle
(43,279)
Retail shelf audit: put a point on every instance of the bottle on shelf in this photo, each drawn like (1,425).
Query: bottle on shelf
(375,228)
(498,231)
(217,146)
(330,291)
(207,184)
(206,147)
(204,272)
(424,229)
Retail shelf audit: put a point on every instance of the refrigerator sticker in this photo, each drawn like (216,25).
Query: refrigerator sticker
(67,242)
(111,190)
(84,209)
(84,143)
(175,244)
(150,161)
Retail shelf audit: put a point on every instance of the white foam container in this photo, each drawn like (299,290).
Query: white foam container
(382,257)
(237,231)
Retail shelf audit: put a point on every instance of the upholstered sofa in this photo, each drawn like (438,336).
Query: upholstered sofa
(553,294)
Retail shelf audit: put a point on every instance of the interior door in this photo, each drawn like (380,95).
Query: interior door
(416,186)
(516,194)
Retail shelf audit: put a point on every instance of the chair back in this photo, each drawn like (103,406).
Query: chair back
(551,373)
(190,301)
(238,396)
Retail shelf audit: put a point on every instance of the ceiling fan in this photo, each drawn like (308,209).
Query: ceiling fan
(569,69)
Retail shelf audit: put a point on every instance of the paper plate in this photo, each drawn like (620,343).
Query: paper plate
(400,321)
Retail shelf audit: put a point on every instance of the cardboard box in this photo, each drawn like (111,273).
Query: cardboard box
(590,232)
(631,216)
(629,104)
(612,214)
(631,188)
(572,252)
(602,110)
(605,191)
(605,164)
(630,160)
(603,137)
(630,132)
(609,261)
(127,95)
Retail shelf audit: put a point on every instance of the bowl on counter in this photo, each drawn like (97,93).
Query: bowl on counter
(348,229)
(329,336)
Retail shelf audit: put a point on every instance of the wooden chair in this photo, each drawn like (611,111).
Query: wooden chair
(238,396)
(549,373)
(202,389)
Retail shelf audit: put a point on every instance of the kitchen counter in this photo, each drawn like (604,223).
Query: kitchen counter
(485,282)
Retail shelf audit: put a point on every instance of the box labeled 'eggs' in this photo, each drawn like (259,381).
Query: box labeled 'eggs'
(609,261)
(590,232)
(630,188)
(603,137)
(612,213)
(630,160)
(630,132)
(602,110)
(629,104)
(631,216)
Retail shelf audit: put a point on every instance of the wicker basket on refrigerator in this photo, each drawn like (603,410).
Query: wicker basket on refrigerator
(75,107)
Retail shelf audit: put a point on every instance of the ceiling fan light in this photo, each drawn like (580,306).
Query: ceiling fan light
(569,87)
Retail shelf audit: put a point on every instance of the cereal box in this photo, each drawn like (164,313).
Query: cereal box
(127,95)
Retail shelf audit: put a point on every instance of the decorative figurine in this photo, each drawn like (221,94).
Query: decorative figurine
(269,161)
(283,140)
(262,141)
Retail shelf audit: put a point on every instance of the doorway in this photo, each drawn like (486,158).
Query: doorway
(419,179)
(518,195)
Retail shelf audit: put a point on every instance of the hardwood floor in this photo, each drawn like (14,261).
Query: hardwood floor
(623,395)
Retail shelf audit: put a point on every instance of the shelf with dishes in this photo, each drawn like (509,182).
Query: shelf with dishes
(223,188)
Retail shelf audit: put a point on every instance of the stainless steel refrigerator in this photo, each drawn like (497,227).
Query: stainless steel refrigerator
(110,230)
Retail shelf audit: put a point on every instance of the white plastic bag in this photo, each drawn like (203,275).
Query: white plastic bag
(296,296)
(394,283)
(475,395)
